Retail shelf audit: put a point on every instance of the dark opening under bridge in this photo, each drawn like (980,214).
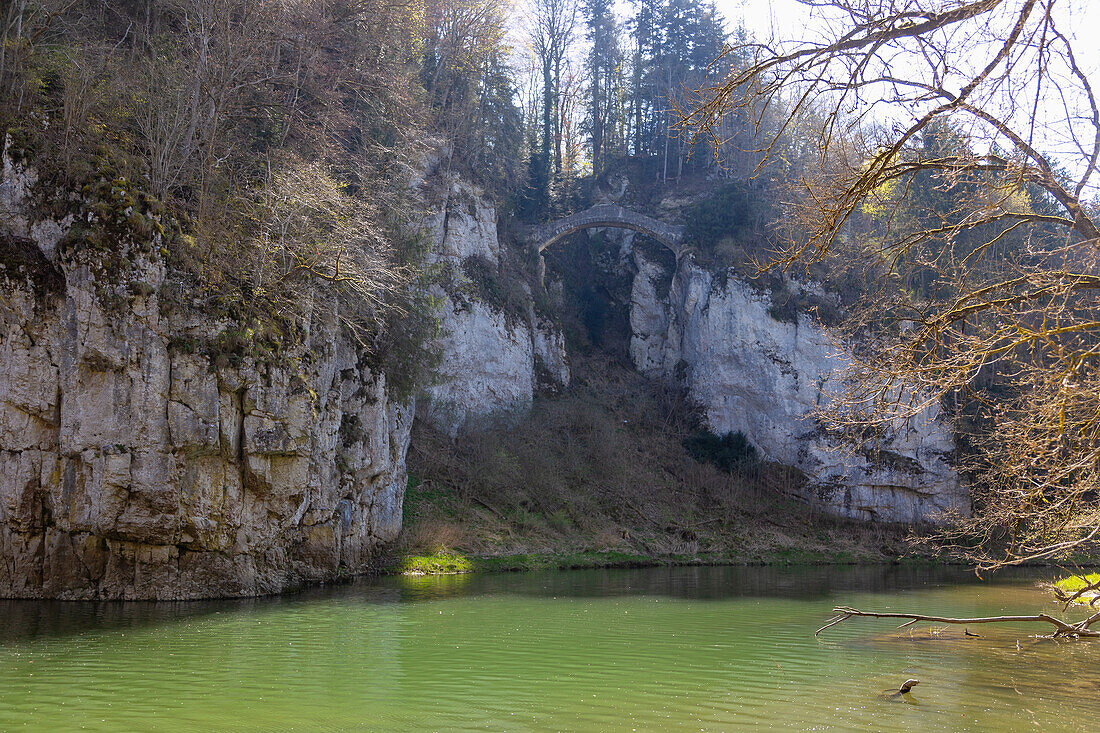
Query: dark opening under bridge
(607,215)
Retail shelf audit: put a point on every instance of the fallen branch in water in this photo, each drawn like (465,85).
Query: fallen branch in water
(1061,628)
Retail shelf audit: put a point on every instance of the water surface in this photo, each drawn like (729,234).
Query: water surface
(669,649)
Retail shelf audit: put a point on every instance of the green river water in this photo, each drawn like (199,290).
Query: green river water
(662,649)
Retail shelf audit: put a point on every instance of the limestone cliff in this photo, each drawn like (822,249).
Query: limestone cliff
(494,354)
(765,377)
(133,467)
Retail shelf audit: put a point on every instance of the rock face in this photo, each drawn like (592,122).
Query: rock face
(764,377)
(130,467)
(493,360)
(487,368)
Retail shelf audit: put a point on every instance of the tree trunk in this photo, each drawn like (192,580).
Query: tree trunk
(1061,628)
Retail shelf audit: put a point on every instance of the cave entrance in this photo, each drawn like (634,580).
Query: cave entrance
(589,275)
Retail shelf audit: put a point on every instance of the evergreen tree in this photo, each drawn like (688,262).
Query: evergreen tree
(674,44)
(604,64)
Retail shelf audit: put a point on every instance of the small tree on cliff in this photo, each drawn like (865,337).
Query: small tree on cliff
(982,250)
(211,107)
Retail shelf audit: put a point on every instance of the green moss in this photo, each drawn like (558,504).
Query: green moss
(1068,586)
(116,222)
(183,344)
(117,215)
(447,563)
(259,341)
(439,563)
(20,144)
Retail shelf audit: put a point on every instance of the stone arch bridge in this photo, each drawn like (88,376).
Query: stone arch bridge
(607,215)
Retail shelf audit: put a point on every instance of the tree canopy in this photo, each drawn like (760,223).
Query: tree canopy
(957,147)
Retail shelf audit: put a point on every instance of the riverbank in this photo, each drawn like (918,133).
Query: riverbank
(616,473)
(448,562)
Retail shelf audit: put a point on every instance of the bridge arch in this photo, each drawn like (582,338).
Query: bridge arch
(607,215)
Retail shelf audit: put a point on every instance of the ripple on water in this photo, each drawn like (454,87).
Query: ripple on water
(669,649)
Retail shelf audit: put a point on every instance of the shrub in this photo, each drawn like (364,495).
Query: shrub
(734,213)
(730,452)
(506,288)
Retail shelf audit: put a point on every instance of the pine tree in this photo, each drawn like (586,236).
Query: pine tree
(603,67)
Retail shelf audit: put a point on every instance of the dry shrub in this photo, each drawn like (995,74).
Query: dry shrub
(609,538)
(434,535)
(309,229)
(602,467)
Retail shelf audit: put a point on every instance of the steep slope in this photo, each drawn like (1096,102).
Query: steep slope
(612,472)
(495,346)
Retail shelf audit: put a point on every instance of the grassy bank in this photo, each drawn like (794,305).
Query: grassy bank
(451,562)
(614,473)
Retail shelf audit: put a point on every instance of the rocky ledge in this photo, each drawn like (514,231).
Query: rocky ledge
(135,464)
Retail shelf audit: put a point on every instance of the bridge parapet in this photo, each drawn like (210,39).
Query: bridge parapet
(607,215)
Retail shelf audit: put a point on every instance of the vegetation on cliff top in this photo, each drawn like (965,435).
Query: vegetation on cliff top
(263,149)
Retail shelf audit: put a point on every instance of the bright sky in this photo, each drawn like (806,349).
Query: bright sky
(764,18)
(790,20)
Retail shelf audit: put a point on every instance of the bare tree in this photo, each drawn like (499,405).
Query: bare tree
(460,34)
(570,108)
(978,255)
(552,35)
(309,230)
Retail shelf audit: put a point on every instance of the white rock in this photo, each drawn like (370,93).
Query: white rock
(464,224)
(129,470)
(763,377)
(489,367)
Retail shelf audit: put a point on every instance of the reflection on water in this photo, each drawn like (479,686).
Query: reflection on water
(670,648)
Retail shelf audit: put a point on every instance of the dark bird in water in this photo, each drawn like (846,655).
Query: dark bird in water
(903,690)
